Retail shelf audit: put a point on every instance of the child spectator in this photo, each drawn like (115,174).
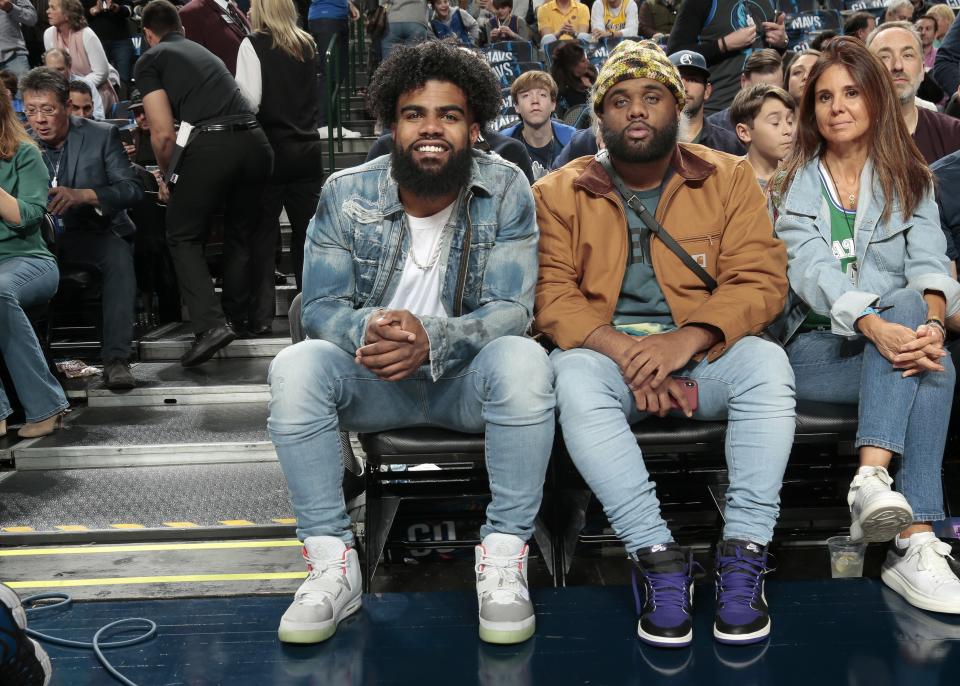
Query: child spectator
(534,96)
(504,25)
(453,21)
(559,20)
(614,19)
(763,117)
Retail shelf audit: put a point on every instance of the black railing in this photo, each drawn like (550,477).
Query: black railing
(333,104)
(338,94)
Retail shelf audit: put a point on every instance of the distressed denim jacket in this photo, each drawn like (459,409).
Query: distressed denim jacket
(901,252)
(356,247)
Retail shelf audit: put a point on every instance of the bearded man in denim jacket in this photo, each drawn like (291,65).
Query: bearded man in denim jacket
(418,283)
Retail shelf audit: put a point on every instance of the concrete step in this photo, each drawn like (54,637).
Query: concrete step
(170,342)
(155,435)
(168,383)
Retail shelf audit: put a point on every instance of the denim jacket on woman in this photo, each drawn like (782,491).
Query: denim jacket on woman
(356,248)
(901,252)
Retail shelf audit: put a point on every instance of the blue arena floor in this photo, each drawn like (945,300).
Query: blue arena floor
(825,633)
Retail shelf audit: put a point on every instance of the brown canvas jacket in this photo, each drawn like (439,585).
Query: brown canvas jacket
(714,208)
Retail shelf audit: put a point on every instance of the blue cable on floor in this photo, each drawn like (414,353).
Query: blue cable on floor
(95,645)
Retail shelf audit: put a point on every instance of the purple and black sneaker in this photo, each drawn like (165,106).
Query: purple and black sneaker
(742,615)
(663,590)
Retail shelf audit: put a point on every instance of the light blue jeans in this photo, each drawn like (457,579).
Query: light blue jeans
(317,390)
(751,386)
(27,282)
(18,64)
(908,417)
(400,33)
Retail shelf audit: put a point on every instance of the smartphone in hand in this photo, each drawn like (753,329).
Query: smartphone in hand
(690,391)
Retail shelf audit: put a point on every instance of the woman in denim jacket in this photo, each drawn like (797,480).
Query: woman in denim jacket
(871,288)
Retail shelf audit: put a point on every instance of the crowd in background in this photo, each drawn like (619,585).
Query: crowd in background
(723,58)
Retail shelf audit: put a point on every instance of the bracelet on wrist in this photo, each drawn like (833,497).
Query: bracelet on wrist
(937,324)
(723,44)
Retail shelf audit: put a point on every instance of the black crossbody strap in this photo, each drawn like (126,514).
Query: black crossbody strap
(655,227)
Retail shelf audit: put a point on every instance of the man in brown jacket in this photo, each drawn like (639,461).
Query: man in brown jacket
(639,332)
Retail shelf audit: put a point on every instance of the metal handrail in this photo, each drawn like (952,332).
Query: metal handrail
(338,106)
(333,103)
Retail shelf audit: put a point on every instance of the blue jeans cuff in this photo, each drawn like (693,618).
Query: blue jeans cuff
(58,410)
(929,517)
(878,443)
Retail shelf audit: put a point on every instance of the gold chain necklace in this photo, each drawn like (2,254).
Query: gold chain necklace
(851,199)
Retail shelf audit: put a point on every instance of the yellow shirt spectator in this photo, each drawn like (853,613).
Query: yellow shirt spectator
(553,15)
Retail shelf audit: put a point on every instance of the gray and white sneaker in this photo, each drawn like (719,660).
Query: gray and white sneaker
(877,512)
(921,575)
(22,661)
(331,592)
(506,613)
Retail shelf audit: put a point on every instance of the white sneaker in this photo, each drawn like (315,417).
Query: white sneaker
(877,513)
(330,593)
(22,660)
(506,613)
(347,133)
(920,573)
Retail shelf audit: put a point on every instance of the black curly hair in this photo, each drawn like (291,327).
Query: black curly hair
(410,66)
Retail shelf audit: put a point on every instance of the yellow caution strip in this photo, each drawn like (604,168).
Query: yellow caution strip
(172,525)
(176,579)
(146,547)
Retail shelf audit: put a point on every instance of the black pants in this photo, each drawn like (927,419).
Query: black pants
(155,272)
(295,186)
(225,169)
(323,31)
(113,257)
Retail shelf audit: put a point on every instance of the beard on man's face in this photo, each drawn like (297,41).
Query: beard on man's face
(433,182)
(657,146)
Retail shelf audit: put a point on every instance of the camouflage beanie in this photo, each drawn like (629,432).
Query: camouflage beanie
(637,60)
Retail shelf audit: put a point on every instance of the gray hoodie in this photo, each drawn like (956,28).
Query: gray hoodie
(22,13)
(407,10)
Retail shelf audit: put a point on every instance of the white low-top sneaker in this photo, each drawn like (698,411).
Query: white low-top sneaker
(877,512)
(331,592)
(920,573)
(506,613)
(347,133)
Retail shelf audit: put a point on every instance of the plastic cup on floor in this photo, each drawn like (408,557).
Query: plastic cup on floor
(846,557)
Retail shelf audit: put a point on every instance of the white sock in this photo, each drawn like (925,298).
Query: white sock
(866,470)
(902,543)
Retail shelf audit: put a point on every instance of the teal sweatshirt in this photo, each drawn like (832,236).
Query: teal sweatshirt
(26,178)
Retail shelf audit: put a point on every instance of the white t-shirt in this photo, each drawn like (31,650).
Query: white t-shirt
(419,289)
